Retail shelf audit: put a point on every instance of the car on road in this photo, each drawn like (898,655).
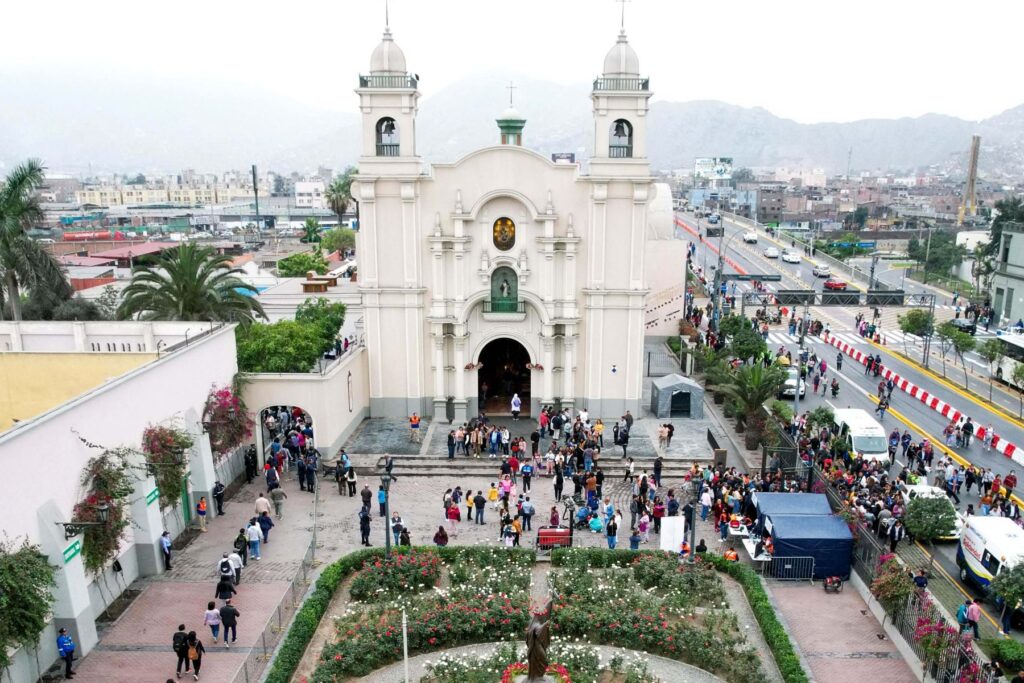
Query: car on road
(789,388)
(791,257)
(964,325)
(750,237)
(714,218)
(834,284)
(771,252)
(821,271)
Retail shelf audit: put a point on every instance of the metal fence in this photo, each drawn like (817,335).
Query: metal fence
(791,568)
(661,363)
(263,651)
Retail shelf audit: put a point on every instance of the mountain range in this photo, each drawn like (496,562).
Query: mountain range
(102,123)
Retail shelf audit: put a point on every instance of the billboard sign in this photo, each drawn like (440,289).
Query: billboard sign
(712,168)
(563,157)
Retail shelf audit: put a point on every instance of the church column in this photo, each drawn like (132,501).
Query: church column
(440,398)
(459,375)
(568,376)
(436,280)
(548,346)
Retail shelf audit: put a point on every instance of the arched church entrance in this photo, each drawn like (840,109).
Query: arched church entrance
(502,375)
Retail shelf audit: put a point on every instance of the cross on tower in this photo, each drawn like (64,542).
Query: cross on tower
(510,87)
(623,3)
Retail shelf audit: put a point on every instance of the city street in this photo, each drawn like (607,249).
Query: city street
(859,390)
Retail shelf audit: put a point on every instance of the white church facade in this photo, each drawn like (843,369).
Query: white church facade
(503,272)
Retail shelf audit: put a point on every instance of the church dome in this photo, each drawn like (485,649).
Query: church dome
(621,60)
(387,57)
(510,114)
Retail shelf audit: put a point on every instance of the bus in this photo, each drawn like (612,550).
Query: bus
(1013,354)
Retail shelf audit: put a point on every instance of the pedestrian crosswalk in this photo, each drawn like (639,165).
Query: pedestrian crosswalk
(890,337)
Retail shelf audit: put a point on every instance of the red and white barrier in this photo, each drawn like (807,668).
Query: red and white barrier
(707,243)
(952,414)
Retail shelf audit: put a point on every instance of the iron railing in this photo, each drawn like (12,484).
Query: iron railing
(503,306)
(622,83)
(387,149)
(620,151)
(392,81)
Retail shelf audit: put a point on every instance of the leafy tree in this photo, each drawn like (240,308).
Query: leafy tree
(278,185)
(751,386)
(191,282)
(860,216)
(1018,379)
(327,317)
(24,263)
(747,344)
(77,308)
(297,265)
(1011,210)
(742,175)
(1008,585)
(26,597)
(108,302)
(992,352)
(311,232)
(339,193)
(285,346)
(821,417)
(918,322)
(952,339)
(139,179)
(928,519)
(729,325)
(339,239)
(942,254)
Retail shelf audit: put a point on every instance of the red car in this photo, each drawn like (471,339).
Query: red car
(834,284)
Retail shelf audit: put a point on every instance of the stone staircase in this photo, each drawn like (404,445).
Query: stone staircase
(437,465)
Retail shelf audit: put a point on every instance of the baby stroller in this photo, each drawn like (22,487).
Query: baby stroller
(833,584)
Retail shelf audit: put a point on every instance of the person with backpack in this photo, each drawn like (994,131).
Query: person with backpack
(225,570)
(961,615)
(229,618)
(241,545)
(225,589)
(180,647)
(195,652)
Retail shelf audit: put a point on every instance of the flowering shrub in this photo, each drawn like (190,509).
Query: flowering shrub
(226,420)
(109,481)
(561,674)
(165,449)
(892,584)
(382,579)
(935,637)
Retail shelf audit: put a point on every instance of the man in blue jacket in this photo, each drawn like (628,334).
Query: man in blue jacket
(66,649)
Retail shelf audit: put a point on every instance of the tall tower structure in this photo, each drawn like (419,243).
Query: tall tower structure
(390,267)
(968,207)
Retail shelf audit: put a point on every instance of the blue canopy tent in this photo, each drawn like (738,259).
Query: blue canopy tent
(789,504)
(825,538)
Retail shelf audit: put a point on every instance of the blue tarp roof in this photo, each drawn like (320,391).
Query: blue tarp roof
(792,504)
(826,538)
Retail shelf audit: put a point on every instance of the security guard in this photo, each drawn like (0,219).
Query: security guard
(66,649)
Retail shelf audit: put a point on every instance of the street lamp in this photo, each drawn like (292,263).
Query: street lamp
(716,314)
(385,481)
(72,529)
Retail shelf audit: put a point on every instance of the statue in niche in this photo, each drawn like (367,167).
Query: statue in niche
(504,288)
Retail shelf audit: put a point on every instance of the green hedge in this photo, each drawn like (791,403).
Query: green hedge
(308,618)
(776,636)
(1009,653)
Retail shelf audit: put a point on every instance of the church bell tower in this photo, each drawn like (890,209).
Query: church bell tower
(620,98)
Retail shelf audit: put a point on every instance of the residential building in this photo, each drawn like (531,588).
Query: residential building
(1007,288)
(310,194)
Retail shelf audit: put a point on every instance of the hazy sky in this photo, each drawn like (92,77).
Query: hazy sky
(824,60)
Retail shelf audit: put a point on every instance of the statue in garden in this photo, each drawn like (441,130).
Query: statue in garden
(538,637)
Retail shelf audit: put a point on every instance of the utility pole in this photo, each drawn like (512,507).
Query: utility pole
(800,358)
(871,277)
(256,196)
(927,251)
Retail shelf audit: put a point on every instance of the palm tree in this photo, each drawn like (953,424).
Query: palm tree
(339,193)
(751,386)
(311,232)
(190,283)
(23,261)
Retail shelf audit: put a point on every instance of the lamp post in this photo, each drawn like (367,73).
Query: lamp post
(385,481)
(717,311)
(72,529)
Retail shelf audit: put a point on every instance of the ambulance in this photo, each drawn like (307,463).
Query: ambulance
(988,545)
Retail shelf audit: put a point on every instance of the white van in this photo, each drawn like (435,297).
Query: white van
(988,545)
(862,433)
(911,491)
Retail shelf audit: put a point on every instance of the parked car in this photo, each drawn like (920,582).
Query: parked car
(821,271)
(791,257)
(771,252)
(750,237)
(964,325)
(790,387)
(834,284)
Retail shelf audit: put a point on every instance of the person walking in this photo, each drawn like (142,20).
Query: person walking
(236,565)
(612,533)
(229,618)
(366,495)
(195,653)
(527,511)
(266,524)
(66,650)
(896,533)
(253,535)
(225,570)
(278,496)
(974,616)
(364,526)
(241,546)
(262,504)
(212,619)
(201,513)
(179,644)
(382,498)
(351,479)
(165,548)
(414,428)
(397,526)
(516,406)
(225,589)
